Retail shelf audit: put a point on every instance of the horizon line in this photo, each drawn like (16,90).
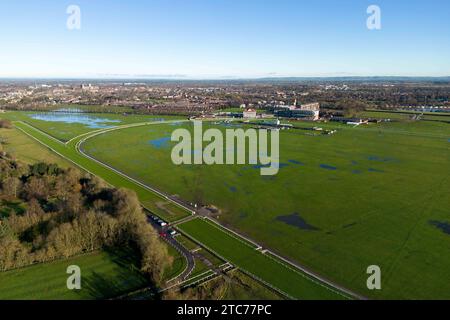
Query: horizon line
(218,78)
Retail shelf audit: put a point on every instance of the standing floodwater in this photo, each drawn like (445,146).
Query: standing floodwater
(71,116)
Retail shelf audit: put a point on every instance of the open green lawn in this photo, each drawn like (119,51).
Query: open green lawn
(244,256)
(216,261)
(200,269)
(28,150)
(364,196)
(103,275)
(65,126)
(405,115)
(70,152)
(374,194)
(187,243)
(178,266)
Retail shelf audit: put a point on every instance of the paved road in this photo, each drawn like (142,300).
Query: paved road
(180,248)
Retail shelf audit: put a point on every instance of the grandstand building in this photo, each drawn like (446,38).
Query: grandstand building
(310,111)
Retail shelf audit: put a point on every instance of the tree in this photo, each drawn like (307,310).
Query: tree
(64,240)
(34,209)
(10,187)
(154,255)
(36,188)
(89,227)
(5,124)
(107,229)
(67,214)
(12,253)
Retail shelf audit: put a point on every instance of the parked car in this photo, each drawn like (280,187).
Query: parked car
(162,223)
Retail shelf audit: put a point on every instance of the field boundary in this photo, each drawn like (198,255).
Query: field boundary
(243,270)
(300,270)
(79,149)
(54,260)
(287,264)
(53,150)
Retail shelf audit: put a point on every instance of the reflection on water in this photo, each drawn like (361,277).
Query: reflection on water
(71,117)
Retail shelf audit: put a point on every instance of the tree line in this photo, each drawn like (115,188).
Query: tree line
(49,213)
(5,124)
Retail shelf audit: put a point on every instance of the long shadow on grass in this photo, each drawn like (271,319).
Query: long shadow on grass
(124,278)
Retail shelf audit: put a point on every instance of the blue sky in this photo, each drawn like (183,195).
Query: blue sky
(221,38)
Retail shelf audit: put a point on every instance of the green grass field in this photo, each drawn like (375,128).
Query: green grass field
(216,261)
(27,150)
(103,275)
(150,200)
(200,268)
(178,266)
(366,195)
(187,243)
(69,151)
(405,115)
(67,126)
(244,256)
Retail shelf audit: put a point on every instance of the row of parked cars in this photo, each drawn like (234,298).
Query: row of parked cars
(159,221)
(163,224)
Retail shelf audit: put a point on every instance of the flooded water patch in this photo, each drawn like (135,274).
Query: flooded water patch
(231,188)
(76,118)
(380,159)
(160,143)
(295,220)
(375,170)
(260,166)
(328,167)
(296,162)
(443,226)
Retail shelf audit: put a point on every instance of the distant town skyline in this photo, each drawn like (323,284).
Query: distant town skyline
(204,39)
